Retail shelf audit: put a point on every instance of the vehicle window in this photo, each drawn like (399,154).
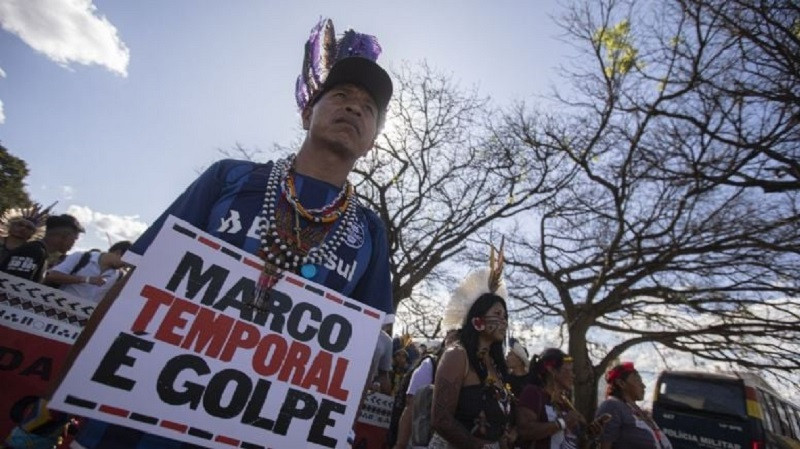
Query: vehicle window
(781,412)
(791,419)
(773,413)
(726,397)
(769,421)
(796,421)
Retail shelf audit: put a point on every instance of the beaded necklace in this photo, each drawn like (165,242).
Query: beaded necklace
(312,245)
(500,391)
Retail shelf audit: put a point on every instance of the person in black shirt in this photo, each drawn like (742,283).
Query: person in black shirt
(19,225)
(29,261)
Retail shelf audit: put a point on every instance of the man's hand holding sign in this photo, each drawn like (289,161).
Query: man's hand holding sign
(181,354)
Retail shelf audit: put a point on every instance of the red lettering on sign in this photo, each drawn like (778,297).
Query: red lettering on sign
(209,330)
(295,363)
(174,320)
(274,344)
(336,390)
(319,374)
(155,299)
(244,335)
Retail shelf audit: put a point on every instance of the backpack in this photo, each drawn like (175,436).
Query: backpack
(82,262)
(400,401)
(421,431)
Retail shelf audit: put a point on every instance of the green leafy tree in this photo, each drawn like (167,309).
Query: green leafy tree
(13,171)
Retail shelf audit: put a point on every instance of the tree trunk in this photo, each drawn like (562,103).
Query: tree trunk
(585,389)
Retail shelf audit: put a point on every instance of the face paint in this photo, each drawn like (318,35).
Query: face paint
(494,323)
(478,324)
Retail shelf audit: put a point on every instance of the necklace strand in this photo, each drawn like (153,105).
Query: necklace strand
(281,253)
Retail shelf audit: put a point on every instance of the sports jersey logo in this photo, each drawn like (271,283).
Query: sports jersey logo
(22,263)
(232,224)
(355,238)
(341,267)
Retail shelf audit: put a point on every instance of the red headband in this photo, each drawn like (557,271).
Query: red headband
(618,371)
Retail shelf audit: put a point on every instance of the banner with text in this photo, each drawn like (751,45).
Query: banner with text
(373,421)
(180,354)
(38,325)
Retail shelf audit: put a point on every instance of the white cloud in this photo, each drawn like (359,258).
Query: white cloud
(66,31)
(2,73)
(67,192)
(108,228)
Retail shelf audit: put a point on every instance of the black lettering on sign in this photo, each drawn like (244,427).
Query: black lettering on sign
(192,392)
(316,434)
(41,367)
(240,294)
(251,414)
(298,404)
(191,265)
(295,317)
(337,325)
(277,306)
(212,399)
(12,359)
(230,393)
(117,356)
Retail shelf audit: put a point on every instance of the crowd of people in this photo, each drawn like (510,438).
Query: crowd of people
(489,397)
(300,213)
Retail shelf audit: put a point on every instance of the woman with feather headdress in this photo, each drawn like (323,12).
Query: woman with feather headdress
(471,402)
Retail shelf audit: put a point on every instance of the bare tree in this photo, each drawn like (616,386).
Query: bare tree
(659,237)
(421,315)
(440,173)
(747,79)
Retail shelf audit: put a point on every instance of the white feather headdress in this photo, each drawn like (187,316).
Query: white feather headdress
(519,350)
(477,283)
(33,213)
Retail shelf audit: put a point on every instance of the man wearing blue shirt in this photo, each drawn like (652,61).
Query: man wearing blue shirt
(298,214)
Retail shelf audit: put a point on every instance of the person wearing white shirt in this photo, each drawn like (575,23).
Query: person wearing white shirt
(92,280)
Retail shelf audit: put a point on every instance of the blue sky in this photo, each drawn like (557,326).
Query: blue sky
(115,106)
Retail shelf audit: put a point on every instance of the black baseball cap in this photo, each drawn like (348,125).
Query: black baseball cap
(63,221)
(361,72)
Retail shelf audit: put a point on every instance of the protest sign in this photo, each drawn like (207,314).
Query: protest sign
(372,425)
(38,325)
(180,354)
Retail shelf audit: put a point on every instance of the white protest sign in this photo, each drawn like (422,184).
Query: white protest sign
(36,309)
(180,355)
(377,410)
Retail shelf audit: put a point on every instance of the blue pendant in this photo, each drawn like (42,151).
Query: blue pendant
(308,271)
